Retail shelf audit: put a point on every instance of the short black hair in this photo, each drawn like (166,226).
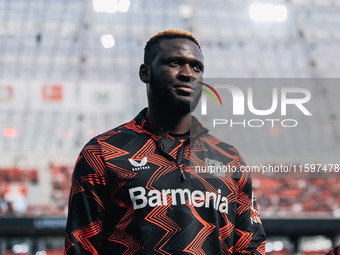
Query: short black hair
(152,45)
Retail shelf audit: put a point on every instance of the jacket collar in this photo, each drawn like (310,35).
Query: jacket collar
(196,128)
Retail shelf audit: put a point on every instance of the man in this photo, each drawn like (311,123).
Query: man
(132,189)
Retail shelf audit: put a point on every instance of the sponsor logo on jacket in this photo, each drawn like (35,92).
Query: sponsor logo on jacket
(141,198)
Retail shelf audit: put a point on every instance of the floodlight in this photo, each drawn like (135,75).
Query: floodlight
(268,12)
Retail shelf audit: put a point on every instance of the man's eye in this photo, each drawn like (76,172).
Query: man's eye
(197,68)
(174,63)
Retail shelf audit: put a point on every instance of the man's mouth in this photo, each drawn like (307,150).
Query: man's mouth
(184,89)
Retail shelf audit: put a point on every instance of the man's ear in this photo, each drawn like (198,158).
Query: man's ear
(144,73)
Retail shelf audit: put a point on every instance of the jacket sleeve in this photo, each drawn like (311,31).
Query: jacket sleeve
(87,202)
(249,236)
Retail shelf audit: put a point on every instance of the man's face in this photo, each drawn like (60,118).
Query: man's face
(175,74)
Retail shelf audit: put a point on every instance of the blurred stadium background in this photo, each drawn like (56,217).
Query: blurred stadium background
(69,71)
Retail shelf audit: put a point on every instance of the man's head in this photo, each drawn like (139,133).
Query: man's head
(152,46)
(172,70)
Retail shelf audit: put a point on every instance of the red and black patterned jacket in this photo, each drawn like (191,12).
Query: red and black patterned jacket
(334,251)
(139,190)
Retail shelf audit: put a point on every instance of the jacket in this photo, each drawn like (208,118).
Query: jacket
(137,189)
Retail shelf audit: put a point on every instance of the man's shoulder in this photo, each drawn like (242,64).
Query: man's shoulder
(112,132)
(118,135)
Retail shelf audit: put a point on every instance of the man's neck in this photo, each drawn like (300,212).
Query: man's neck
(170,122)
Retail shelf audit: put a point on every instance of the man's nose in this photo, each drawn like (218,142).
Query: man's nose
(186,73)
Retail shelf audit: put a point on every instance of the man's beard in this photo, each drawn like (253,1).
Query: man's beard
(172,104)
